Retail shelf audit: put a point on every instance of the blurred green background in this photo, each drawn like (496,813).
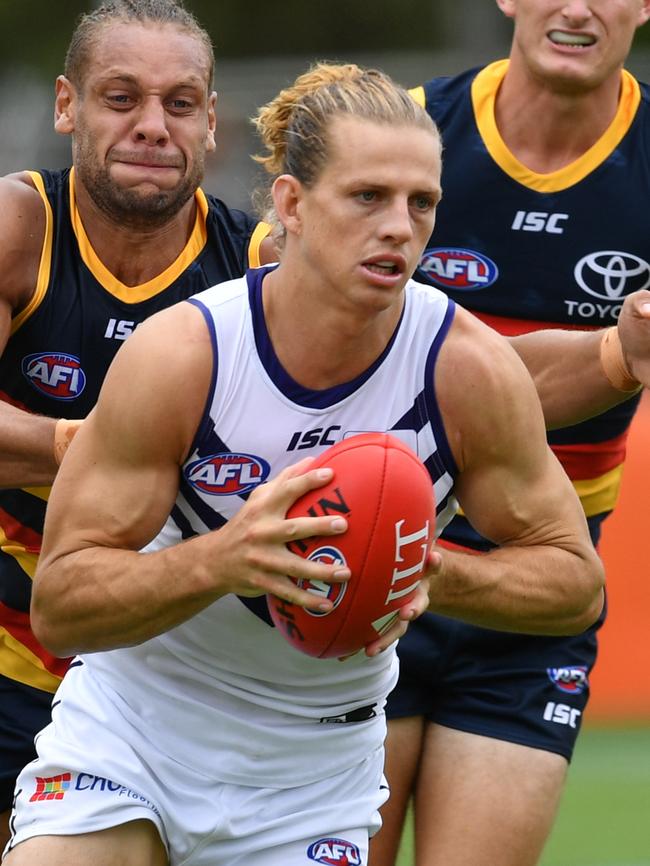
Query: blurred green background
(604,816)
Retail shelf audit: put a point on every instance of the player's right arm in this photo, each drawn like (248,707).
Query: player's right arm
(26,440)
(93,590)
(544,576)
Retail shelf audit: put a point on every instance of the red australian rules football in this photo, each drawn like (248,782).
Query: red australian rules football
(385,493)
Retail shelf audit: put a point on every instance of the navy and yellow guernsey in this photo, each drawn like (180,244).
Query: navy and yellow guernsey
(526,251)
(60,348)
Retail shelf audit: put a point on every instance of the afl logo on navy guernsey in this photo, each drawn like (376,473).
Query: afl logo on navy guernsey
(227,474)
(334,592)
(611,275)
(55,374)
(573,680)
(463,270)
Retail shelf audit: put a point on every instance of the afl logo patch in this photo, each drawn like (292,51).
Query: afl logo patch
(463,270)
(573,680)
(55,374)
(335,852)
(227,474)
(333,592)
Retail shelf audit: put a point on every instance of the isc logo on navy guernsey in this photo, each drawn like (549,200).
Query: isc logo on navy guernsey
(334,852)
(460,269)
(55,374)
(227,474)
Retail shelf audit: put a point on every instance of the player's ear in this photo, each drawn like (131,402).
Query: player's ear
(210,143)
(507,7)
(644,12)
(287,194)
(65,101)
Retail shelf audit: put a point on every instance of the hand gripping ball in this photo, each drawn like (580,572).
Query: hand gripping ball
(385,493)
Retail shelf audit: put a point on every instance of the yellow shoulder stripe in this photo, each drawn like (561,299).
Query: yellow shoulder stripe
(418,95)
(484,90)
(44,267)
(261,231)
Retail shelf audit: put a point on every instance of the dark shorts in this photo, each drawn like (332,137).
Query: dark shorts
(524,689)
(24,711)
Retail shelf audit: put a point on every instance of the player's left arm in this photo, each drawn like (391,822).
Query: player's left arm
(577,377)
(545,576)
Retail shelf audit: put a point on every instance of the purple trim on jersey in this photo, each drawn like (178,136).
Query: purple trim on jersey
(182,523)
(288,386)
(206,423)
(207,513)
(443,457)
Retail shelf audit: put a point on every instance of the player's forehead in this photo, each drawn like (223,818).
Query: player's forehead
(139,51)
(363,148)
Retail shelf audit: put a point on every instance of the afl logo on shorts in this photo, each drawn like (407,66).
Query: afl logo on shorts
(463,270)
(333,592)
(334,852)
(227,474)
(55,374)
(573,680)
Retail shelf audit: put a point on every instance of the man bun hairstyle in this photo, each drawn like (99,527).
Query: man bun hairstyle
(293,127)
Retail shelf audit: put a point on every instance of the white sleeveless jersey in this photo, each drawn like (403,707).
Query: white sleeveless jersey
(224,693)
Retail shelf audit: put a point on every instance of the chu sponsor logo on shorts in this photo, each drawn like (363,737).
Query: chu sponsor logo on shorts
(334,852)
(573,680)
(55,374)
(51,787)
(227,474)
(459,269)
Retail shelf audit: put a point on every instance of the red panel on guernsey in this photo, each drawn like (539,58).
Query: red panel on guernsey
(23,535)
(17,624)
(585,461)
(514,327)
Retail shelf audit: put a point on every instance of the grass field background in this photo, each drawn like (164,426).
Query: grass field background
(604,818)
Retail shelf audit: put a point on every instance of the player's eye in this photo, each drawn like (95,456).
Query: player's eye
(422,202)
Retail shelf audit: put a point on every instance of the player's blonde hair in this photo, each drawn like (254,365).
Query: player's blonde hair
(294,126)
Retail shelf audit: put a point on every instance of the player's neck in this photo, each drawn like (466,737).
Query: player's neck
(322,345)
(546,129)
(134,257)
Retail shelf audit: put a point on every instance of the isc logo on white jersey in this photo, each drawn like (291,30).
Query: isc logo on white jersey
(539,221)
(55,374)
(561,714)
(227,474)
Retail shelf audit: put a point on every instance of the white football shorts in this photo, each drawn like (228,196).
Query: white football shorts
(87,778)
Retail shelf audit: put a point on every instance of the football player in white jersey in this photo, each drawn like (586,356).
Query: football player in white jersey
(188,731)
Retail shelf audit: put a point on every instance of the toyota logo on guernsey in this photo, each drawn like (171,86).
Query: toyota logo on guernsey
(611,275)
(55,374)
(227,474)
(464,270)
